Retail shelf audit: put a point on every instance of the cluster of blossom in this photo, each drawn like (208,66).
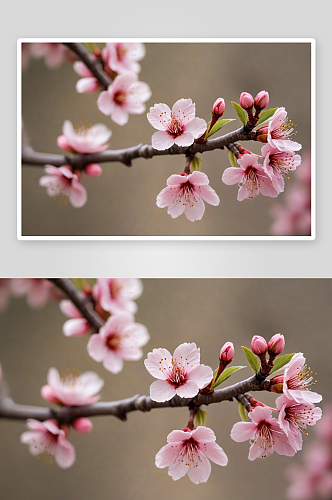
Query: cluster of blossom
(186,192)
(126,94)
(294,216)
(313,479)
(38,291)
(190,449)
(54,54)
(120,338)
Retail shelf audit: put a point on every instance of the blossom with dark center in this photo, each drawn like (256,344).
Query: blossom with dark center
(297,381)
(280,132)
(278,163)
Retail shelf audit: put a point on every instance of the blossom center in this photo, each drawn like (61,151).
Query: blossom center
(264,435)
(120,97)
(301,380)
(299,415)
(115,290)
(284,131)
(121,51)
(113,342)
(177,375)
(189,453)
(282,162)
(175,127)
(251,179)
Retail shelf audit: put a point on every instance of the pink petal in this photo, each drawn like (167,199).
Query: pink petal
(112,362)
(266,188)
(119,115)
(117,324)
(64,453)
(178,469)
(195,208)
(75,327)
(98,134)
(178,436)
(68,308)
(203,434)
(196,127)
(247,160)
(201,375)
(188,390)
(208,194)
(257,451)
(215,453)
(260,413)
(161,391)
(162,140)
(185,139)
(200,473)
(177,208)
(177,180)
(198,179)
(166,196)
(80,68)
(96,347)
(167,455)
(242,431)
(232,175)
(105,103)
(184,107)
(87,85)
(189,353)
(157,359)
(154,117)
(77,194)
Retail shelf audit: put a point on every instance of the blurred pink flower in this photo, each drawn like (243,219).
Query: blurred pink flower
(185,194)
(119,339)
(180,374)
(88,83)
(265,434)
(188,452)
(123,56)
(54,53)
(124,96)
(38,291)
(277,164)
(77,325)
(47,437)
(178,126)
(297,381)
(117,294)
(251,178)
(63,181)
(84,139)
(280,133)
(72,390)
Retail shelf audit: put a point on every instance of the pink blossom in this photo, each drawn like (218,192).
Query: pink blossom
(293,218)
(261,100)
(185,193)
(227,352)
(77,325)
(246,100)
(117,294)
(218,107)
(310,482)
(277,165)
(124,96)
(53,53)
(47,437)
(276,344)
(280,132)
(84,139)
(265,434)
(297,381)
(38,291)
(180,374)
(88,83)
(178,126)
(119,339)
(324,427)
(258,345)
(251,178)
(122,56)
(63,181)
(295,417)
(189,451)
(71,390)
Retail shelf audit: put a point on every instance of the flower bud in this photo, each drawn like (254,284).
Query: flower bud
(262,100)
(219,107)
(227,352)
(82,425)
(276,344)
(48,395)
(276,384)
(93,170)
(258,345)
(246,100)
(261,134)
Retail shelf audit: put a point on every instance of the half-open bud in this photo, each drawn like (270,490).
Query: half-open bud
(82,425)
(93,170)
(227,352)
(258,345)
(261,100)
(261,134)
(276,344)
(276,384)
(218,107)
(246,100)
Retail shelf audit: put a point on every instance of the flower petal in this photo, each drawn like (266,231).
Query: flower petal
(161,391)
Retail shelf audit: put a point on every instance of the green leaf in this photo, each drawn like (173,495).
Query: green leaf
(226,374)
(79,283)
(200,418)
(232,159)
(265,115)
(195,164)
(217,126)
(89,47)
(242,412)
(281,361)
(240,113)
(252,360)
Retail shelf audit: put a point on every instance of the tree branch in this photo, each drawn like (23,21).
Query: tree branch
(83,304)
(119,409)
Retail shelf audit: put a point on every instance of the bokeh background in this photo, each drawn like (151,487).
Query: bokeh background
(116,460)
(122,201)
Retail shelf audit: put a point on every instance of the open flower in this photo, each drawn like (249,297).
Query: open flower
(72,391)
(277,165)
(85,139)
(117,294)
(122,56)
(189,452)
(185,194)
(180,374)
(178,126)
(63,181)
(119,339)
(38,291)
(280,132)
(124,96)
(251,178)
(264,433)
(297,381)
(47,437)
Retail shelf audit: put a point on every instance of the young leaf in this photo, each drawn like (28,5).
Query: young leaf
(200,418)
(217,126)
(265,115)
(242,412)
(226,374)
(281,361)
(252,360)
(195,164)
(232,159)
(240,113)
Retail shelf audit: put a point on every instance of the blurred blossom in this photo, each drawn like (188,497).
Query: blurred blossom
(37,290)
(84,139)
(54,54)
(63,181)
(122,57)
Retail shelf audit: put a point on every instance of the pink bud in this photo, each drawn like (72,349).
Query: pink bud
(276,344)
(93,170)
(262,99)
(276,384)
(219,107)
(82,425)
(48,394)
(227,352)
(258,345)
(246,100)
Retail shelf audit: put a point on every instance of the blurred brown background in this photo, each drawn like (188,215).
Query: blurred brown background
(122,201)
(116,460)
